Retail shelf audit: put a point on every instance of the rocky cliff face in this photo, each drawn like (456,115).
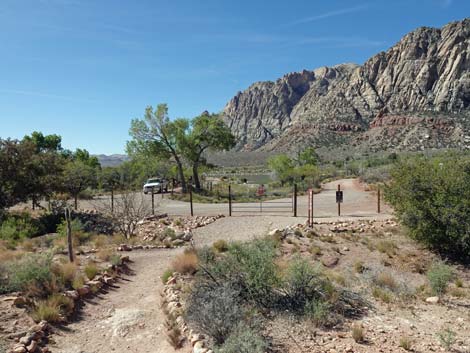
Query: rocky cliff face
(426,73)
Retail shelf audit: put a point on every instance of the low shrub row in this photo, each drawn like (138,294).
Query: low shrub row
(235,287)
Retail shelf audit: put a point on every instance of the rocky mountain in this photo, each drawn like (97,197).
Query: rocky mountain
(416,95)
(112,160)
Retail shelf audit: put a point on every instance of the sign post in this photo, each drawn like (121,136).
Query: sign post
(339,199)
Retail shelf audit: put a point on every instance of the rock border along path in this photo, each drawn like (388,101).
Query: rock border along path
(129,318)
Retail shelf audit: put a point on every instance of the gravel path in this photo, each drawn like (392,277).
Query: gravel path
(129,319)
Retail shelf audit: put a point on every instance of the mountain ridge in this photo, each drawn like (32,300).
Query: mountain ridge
(414,95)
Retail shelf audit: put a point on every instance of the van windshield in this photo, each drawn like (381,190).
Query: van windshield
(152,181)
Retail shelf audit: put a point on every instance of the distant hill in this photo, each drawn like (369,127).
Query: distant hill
(412,97)
(112,160)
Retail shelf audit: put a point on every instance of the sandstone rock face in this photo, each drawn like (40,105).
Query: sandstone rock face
(425,74)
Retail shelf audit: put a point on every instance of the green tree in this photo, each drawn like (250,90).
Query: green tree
(15,159)
(157,135)
(432,198)
(283,167)
(208,132)
(84,156)
(307,156)
(78,176)
(45,143)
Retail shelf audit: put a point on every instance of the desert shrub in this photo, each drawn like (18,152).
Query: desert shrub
(447,338)
(243,340)
(382,295)
(29,270)
(115,259)
(100,240)
(215,310)
(387,247)
(16,228)
(53,309)
(65,272)
(185,263)
(458,283)
(166,275)
(439,275)
(386,280)
(91,270)
(64,303)
(169,233)
(78,282)
(220,245)
(405,343)
(357,332)
(104,254)
(302,283)
(359,266)
(252,266)
(318,312)
(430,197)
(79,235)
(47,312)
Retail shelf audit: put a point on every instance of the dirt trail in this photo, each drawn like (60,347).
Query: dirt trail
(128,318)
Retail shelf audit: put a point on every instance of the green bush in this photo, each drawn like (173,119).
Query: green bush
(91,270)
(166,275)
(17,228)
(243,340)
(29,270)
(432,198)
(318,311)
(302,283)
(76,226)
(439,275)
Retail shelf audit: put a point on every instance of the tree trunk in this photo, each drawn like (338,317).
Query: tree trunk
(75,201)
(197,182)
(181,174)
(112,200)
(69,234)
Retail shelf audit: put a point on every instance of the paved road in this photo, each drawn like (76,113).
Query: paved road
(358,203)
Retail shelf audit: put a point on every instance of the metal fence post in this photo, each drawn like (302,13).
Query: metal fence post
(230,200)
(295,199)
(153,201)
(378,200)
(191,198)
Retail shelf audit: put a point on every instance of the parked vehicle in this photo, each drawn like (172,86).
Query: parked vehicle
(155,184)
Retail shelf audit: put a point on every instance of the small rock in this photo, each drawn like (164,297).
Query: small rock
(432,300)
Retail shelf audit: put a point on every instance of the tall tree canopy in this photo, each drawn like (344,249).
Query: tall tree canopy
(208,132)
(156,134)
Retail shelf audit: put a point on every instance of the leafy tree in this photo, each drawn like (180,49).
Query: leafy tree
(84,156)
(78,176)
(157,135)
(45,143)
(432,198)
(15,159)
(208,132)
(282,166)
(307,156)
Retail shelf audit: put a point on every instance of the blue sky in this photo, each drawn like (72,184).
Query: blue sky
(84,68)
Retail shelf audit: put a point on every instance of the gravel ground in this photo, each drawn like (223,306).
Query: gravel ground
(128,318)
